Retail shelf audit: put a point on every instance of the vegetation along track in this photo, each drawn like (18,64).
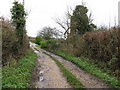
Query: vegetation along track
(86,79)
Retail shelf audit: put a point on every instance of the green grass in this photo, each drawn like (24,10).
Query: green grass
(18,74)
(112,81)
(74,82)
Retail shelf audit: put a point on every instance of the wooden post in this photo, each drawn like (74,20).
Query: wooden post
(23,2)
(119,13)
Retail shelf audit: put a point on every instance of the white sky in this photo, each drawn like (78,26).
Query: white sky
(41,12)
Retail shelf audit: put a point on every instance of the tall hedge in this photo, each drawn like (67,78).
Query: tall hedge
(103,47)
(9,41)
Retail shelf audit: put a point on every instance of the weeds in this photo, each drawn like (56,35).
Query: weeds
(18,74)
(92,69)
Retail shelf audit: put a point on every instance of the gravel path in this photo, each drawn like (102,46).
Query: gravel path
(88,80)
(48,74)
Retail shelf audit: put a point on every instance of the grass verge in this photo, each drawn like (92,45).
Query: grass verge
(18,74)
(74,82)
(113,81)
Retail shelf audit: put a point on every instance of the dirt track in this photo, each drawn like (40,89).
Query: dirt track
(48,74)
(57,80)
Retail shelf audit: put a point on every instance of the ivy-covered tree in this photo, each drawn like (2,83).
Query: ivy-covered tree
(80,22)
(18,19)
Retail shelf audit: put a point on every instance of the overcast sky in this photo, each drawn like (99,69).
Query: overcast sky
(41,12)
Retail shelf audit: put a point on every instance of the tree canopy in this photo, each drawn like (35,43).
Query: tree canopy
(49,33)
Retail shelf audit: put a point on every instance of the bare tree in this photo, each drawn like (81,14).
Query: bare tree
(65,23)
